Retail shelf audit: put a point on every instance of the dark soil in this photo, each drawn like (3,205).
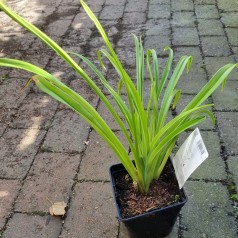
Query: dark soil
(163,192)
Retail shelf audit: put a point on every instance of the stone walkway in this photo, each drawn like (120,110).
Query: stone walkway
(49,154)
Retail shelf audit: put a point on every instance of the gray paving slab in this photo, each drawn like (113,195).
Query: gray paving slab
(98,157)
(36,111)
(95,220)
(228,18)
(227,99)
(228,124)
(180,5)
(184,100)
(208,202)
(232,34)
(49,180)
(215,46)
(9,190)
(227,5)
(206,11)
(18,148)
(159,11)
(183,19)
(232,164)
(188,38)
(210,27)
(32,226)
(202,2)
(212,64)
(68,133)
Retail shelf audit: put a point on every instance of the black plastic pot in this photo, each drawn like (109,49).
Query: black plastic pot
(152,224)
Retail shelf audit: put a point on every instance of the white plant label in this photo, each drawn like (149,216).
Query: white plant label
(189,156)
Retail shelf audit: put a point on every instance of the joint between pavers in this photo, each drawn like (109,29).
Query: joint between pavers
(34,213)
(220,181)
(92,181)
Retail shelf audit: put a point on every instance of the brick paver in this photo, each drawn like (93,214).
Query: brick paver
(49,154)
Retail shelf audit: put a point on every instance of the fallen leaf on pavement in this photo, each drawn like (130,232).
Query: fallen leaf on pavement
(58,209)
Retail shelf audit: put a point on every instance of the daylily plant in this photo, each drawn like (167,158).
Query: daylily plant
(144,126)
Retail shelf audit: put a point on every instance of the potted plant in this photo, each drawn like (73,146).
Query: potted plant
(150,138)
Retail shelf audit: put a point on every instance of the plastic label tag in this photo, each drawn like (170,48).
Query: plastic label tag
(190,155)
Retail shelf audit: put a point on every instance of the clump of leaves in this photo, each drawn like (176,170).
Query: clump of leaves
(150,138)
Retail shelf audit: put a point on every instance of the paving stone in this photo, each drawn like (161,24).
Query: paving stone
(228,98)
(11,93)
(35,112)
(227,122)
(124,233)
(229,19)
(50,178)
(207,202)
(157,11)
(233,168)
(193,81)
(158,43)
(182,5)
(215,46)
(113,80)
(160,27)
(235,50)
(188,37)
(112,2)
(8,194)
(77,37)
(213,168)
(206,11)
(159,2)
(82,22)
(210,27)
(18,149)
(136,6)
(73,2)
(232,36)
(47,3)
(38,57)
(127,57)
(82,88)
(106,115)
(134,18)
(67,133)
(215,63)
(65,12)
(184,100)
(95,216)
(111,12)
(202,2)
(33,226)
(8,26)
(183,19)
(190,51)
(227,5)
(17,41)
(98,157)
(38,15)
(98,2)
(127,39)
(60,69)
